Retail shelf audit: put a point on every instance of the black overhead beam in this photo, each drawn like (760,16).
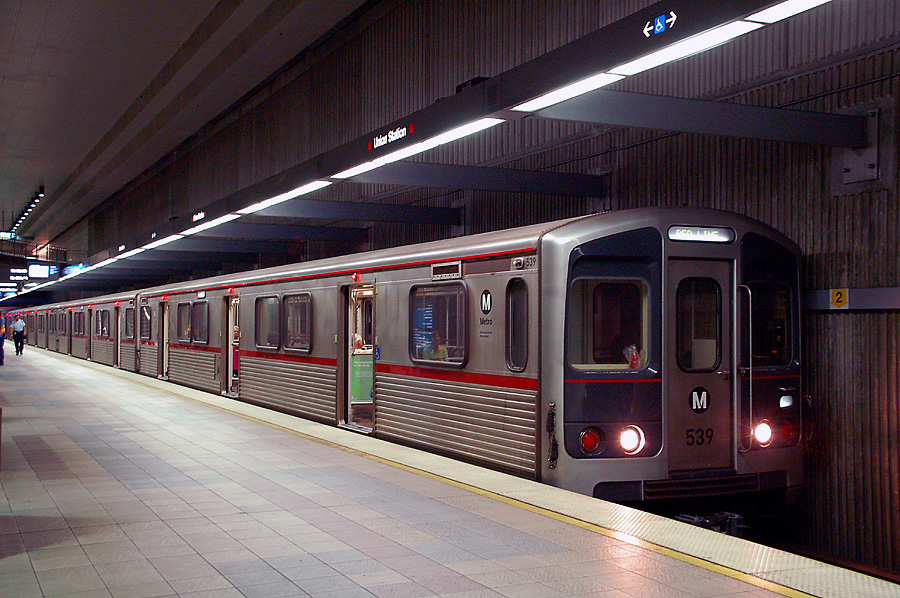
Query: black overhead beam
(285,232)
(452,176)
(714,118)
(200,244)
(365,211)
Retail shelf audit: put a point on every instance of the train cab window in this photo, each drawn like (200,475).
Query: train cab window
(698,335)
(608,324)
(437,323)
(268,318)
(184,322)
(145,322)
(516,325)
(298,322)
(129,322)
(200,322)
(771,323)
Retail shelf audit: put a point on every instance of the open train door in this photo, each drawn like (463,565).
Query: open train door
(232,344)
(700,300)
(163,360)
(358,390)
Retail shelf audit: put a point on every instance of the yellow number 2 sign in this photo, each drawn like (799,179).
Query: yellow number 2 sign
(840,299)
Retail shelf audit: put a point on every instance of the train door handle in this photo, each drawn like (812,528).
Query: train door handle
(726,374)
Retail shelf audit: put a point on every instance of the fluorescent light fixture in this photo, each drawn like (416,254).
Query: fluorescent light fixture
(131,253)
(211,224)
(417,148)
(684,48)
(164,241)
(568,92)
(308,188)
(785,10)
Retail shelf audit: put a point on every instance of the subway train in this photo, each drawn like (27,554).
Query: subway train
(633,356)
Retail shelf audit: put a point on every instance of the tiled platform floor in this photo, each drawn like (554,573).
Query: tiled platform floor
(114,488)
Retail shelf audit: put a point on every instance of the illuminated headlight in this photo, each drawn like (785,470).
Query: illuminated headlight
(632,440)
(763,433)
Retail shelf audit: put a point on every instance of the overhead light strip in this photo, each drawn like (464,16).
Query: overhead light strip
(693,45)
(308,188)
(417,148)
(211,224)
(161,242)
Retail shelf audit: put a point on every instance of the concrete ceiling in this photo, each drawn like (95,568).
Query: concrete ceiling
(93,93)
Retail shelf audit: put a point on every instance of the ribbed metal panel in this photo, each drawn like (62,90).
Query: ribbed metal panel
(465,420)
(126,357)
(102,351)
(193,368)
(301,388)
(80,347)
(149,360)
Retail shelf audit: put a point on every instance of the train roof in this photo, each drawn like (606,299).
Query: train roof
(478,246)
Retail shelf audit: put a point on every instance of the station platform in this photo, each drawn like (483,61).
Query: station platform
(119,485)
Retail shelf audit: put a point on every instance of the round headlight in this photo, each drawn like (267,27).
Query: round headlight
(632,440)
(763,433)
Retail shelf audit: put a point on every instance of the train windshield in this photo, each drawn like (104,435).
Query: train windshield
(771,323)
(608,324)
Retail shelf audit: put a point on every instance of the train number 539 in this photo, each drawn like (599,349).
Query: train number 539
(698,436)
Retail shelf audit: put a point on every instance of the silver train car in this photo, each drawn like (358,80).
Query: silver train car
(635,355)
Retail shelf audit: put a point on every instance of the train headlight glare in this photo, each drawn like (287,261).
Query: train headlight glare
(763,433)
(590,440)
(632,440)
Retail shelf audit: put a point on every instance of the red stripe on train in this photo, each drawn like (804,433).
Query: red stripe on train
(459,376)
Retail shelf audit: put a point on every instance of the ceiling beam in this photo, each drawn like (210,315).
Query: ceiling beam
(452,176)
(287,232)
(648,111)
(364,211)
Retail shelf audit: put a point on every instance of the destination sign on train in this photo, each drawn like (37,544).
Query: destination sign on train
(704,234)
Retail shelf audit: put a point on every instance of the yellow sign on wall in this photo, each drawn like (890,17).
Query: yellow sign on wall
(840,298)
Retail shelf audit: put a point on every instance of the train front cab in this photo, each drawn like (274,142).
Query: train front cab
(657,392)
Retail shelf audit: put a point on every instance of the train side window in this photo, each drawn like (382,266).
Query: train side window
(298,322)
(771,323)
(437,324)
(103,323)
(267,322)
(200,322)
(146,314)
(129,322)
(62,323)
(78,324)
(698,334)
(608,324)
(516,325)
(41,323)
(52,322)
(184,322)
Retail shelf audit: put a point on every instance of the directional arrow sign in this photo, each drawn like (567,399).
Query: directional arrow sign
(648,28)
(671,20)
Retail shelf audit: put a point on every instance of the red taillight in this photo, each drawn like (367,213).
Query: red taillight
(787,431)
(590,440)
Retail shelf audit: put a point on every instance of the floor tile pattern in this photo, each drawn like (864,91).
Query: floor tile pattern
(112,489)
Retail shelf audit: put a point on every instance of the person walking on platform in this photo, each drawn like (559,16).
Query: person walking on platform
(2,336)
(18,334)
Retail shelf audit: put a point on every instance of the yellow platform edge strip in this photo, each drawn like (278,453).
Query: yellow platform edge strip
(669,552)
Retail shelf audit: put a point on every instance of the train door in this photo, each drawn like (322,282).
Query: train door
(700,402)
(163,356)
(359,388)
(89,331)
(116,335)
(232,346)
